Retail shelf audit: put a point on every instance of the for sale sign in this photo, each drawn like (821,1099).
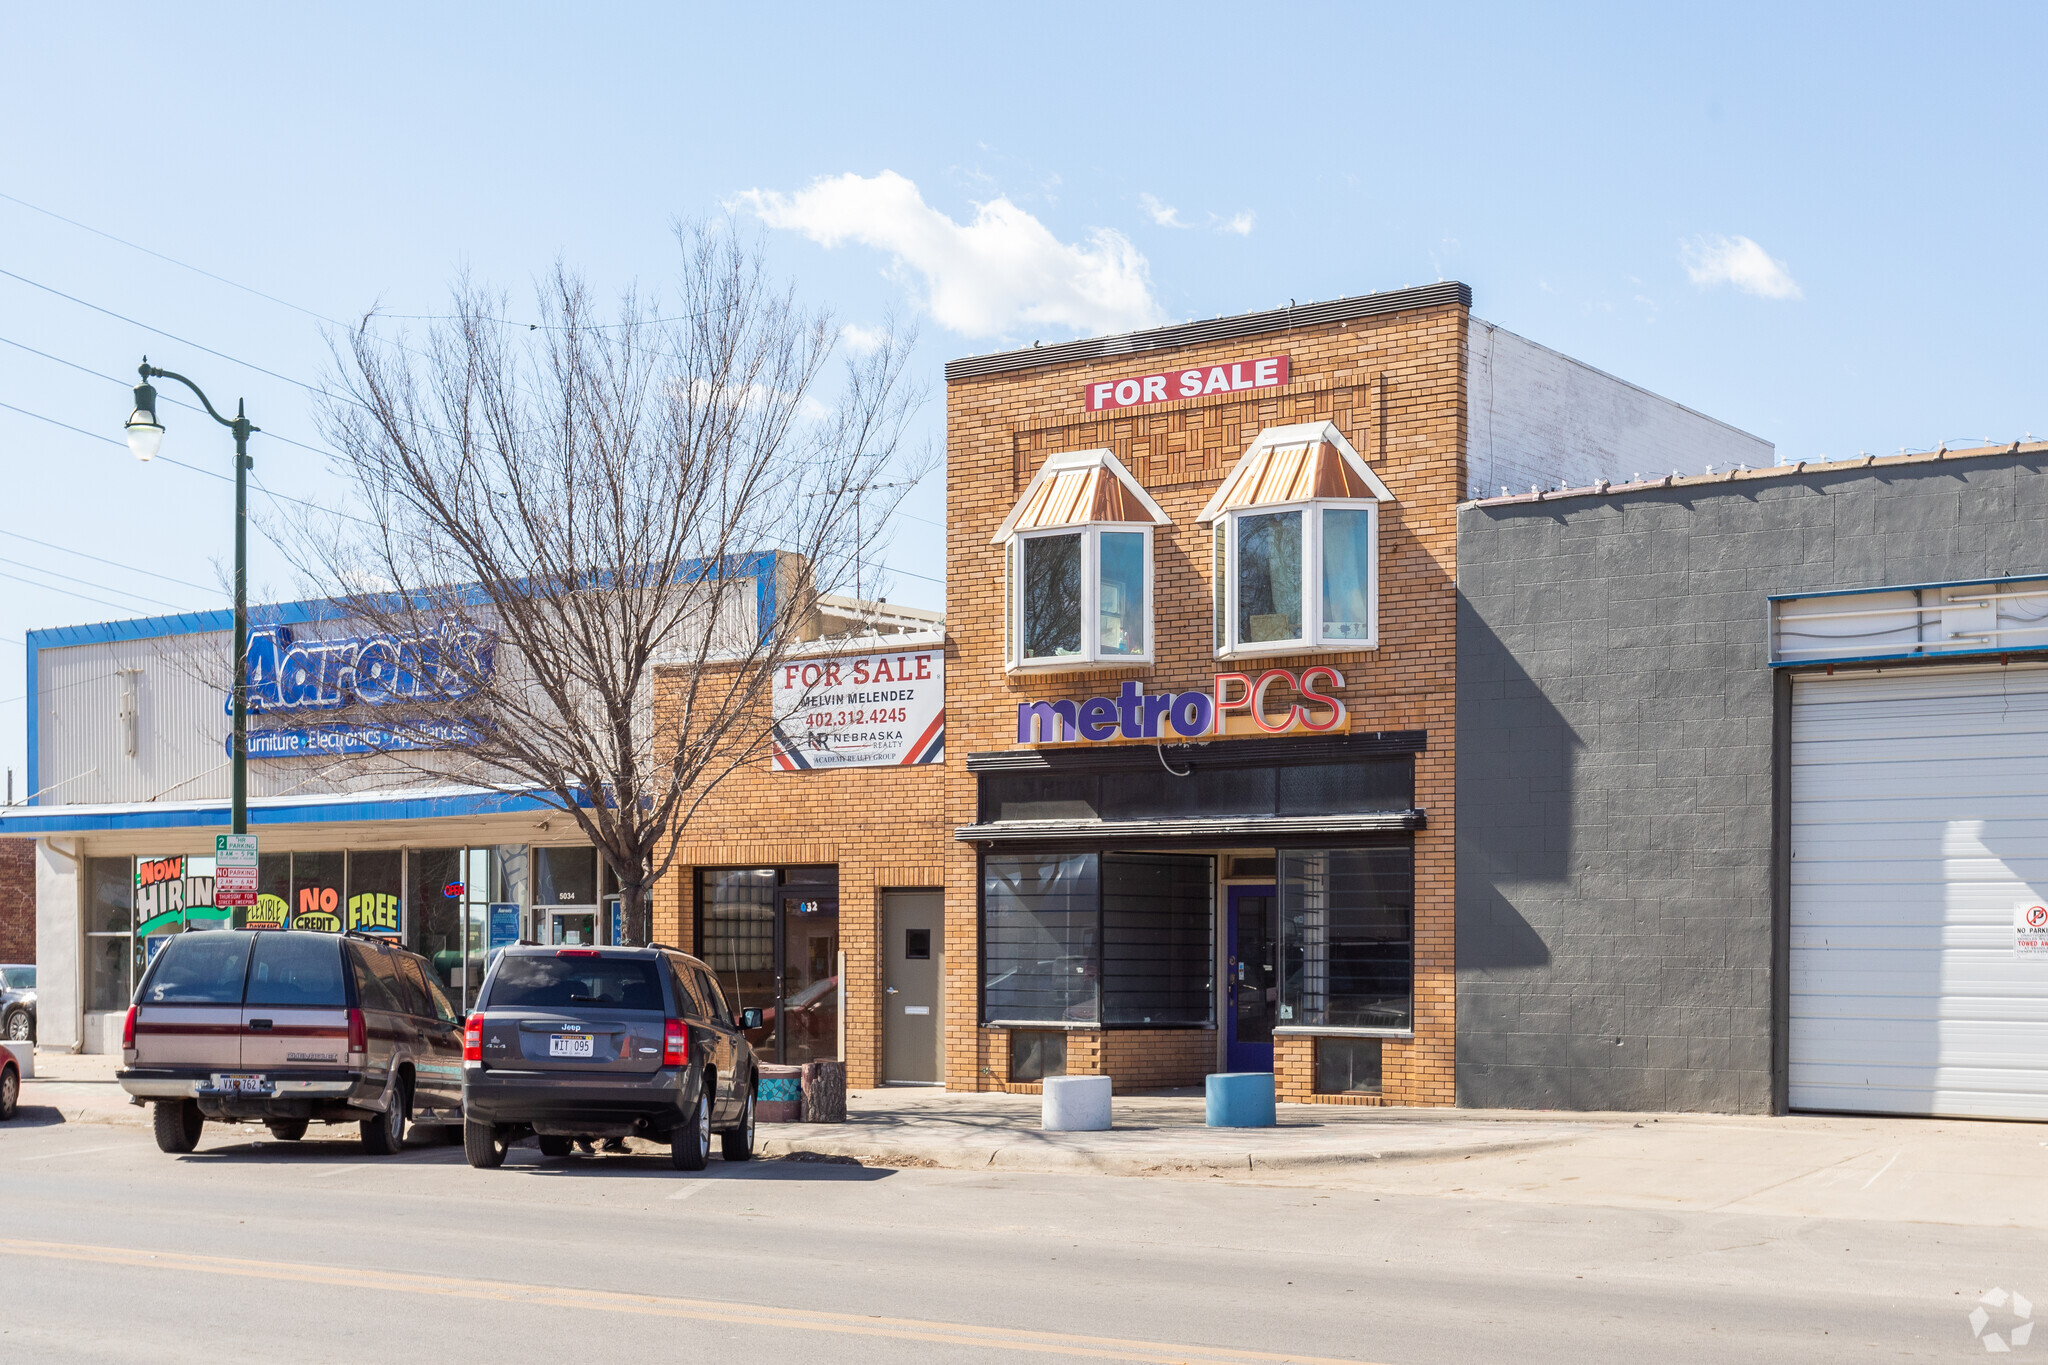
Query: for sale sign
(2030,929)
(234,870)
(870,711)
(1197,381)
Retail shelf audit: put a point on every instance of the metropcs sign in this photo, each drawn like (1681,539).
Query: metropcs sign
(1240,704)
(1196,382)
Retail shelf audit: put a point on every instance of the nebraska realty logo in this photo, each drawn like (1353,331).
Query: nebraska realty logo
(2015,1320)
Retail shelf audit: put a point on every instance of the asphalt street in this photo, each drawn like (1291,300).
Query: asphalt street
(255,1250)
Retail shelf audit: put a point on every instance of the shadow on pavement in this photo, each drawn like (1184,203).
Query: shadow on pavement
(36,1116)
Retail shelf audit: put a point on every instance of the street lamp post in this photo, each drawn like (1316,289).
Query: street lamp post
(145,437)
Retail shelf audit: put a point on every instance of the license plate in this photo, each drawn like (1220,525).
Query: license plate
(242,1085)
(569,1045)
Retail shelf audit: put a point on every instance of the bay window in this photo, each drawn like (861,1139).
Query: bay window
(1296,546)
(1077,566)
(1297,578)
(1081,596)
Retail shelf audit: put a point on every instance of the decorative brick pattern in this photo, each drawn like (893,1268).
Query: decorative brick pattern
(1394,384)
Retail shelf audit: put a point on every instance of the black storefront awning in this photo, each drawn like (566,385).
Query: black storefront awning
(1261,830)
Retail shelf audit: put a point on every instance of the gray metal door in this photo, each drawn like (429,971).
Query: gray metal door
(911,945)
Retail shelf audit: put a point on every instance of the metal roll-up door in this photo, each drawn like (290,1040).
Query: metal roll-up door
(1919,819)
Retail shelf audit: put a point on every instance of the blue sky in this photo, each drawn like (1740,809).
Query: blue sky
(1818,224)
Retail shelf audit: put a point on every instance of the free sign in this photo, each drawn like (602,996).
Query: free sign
(1195,382)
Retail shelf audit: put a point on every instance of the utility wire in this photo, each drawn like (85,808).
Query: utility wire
(115,563)
(116,379)
(51,587)
(87,582)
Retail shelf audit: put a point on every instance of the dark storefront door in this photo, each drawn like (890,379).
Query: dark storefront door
(1253,980)
(809,979)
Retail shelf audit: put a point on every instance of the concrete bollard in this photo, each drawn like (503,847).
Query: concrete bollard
(1240,1099)
(1075,1104)
(24,1058)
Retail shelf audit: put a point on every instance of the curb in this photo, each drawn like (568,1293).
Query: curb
(1156,1161)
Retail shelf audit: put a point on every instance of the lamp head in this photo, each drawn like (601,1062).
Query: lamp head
(145,433)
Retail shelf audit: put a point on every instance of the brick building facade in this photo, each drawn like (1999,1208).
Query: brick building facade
(1388,373)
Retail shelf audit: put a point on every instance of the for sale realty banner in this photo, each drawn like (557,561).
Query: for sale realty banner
(868,711)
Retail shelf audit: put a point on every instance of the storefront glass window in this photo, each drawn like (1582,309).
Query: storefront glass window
(434,919)
(1347,949)
(273,907)
(1052,596)
(317,882)
(738,932)
(1269,577)
(564,876)
(110,948)
(1347,573)
(1157,958)
(1121,594)
(373,891)
(111,898)
(1040,937)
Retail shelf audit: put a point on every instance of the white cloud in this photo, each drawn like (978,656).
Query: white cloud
(862,340)
(1239,223)
(1165,215)
(1002,274)
(1712,260)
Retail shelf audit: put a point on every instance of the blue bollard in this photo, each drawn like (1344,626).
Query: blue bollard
(1240,1099)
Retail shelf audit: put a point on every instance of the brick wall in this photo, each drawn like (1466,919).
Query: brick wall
(1394,384)
(17,900)
(880,826)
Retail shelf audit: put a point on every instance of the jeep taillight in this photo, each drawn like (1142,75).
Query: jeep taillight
(358,1038)
(675,1043)
(128,1031)
(473,1039)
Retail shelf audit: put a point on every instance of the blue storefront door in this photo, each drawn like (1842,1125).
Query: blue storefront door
(1253,979)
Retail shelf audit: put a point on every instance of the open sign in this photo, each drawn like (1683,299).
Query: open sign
(452,891)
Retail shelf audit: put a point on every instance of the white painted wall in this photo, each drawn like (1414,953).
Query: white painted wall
(59,975)
(1536,417)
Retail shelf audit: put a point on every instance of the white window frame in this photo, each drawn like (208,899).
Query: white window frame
(1091,655)
(1311,641)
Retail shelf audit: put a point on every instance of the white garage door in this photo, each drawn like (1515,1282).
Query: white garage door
(1919,816)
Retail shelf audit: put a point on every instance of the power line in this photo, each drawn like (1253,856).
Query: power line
(116,379)
(115,563)
(51,587)
(87,582)
(182,341)
(299,308)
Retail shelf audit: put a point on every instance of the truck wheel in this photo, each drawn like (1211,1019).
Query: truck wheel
(385,1134)
(482,1145)
(287,1130)
(690,1147)
(554,1146)
(177,1125)
(738,1144)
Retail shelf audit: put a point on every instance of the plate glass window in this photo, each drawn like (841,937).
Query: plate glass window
(1347,939)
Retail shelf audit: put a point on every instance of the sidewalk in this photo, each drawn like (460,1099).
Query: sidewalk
(1153,1134)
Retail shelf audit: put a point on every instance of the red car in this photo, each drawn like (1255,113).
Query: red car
(10,1084)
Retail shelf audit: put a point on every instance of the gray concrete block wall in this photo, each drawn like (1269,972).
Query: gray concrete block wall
(1617,913)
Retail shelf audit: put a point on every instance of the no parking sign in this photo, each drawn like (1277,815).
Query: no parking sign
(2030,929)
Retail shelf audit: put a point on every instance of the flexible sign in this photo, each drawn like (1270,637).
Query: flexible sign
(1239,705)
(1197,381)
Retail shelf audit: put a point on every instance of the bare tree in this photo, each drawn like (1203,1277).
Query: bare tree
(554,510)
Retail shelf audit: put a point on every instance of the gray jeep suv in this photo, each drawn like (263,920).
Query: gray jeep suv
(290,1027)
(581,1043)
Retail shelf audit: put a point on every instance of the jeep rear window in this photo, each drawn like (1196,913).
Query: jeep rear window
(294,970)
(560,983)
(198,969)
